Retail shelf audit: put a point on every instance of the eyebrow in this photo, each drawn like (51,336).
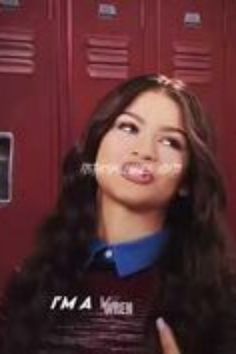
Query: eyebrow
(163,128)
(135,115)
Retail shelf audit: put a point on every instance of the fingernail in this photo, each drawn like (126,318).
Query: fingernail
(161,325)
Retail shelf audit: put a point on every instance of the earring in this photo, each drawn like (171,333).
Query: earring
(183,192)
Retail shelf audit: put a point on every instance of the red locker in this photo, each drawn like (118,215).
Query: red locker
(29,113)
(108,41)
(191,47)
(197,44)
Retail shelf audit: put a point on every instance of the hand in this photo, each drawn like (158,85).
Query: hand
(167,338)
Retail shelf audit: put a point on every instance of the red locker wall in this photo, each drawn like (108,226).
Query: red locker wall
(58,57)
(28,111)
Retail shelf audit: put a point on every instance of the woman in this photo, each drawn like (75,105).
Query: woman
(137,236)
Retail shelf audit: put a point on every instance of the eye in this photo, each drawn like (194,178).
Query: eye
(128,127)
(173,143)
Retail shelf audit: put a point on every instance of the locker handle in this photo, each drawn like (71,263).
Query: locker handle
(6,167)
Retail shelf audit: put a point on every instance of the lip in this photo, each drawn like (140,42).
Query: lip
(137,172)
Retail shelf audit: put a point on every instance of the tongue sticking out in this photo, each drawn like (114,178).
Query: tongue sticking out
(135,170)
(137,173)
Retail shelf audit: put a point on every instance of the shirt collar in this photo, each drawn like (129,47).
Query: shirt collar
(133,256)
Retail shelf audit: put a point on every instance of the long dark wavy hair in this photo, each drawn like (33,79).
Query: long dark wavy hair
(197,283)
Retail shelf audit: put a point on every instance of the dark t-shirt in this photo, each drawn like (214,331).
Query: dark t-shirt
(107,314)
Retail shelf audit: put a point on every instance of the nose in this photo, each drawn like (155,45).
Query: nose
(145,149)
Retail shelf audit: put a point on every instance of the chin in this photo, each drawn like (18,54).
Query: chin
(138,198)
(136,202)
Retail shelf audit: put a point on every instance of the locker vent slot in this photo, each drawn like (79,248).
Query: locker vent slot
(6,159)
(17,51)
(107,57)
(193,62)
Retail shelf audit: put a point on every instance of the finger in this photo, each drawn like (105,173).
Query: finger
(167,338)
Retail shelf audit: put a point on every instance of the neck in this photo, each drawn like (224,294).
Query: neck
(118,223)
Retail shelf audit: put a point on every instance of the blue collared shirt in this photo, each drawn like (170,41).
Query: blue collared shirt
(133,256)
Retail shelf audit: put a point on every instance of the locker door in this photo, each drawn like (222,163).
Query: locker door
(107,44)
(191,47)
(28,138)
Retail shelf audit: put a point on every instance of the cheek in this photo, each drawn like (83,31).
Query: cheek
(108,159)
(113,149)
(170,157)
(169,177)
(172,163)
(170,172)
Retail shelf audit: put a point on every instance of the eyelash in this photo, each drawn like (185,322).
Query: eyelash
(129,125)
(174,143)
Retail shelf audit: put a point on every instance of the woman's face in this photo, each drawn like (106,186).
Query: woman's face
(142,160)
